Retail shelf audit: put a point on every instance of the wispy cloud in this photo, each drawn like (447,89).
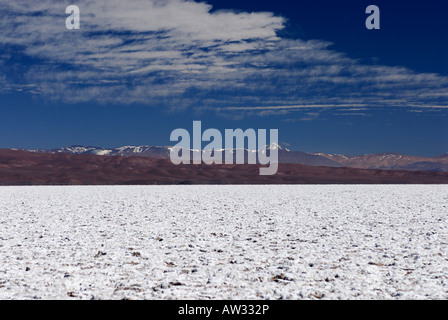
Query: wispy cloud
(304,106)
(179,54)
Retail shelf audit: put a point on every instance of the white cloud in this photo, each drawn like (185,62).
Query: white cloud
(181,54)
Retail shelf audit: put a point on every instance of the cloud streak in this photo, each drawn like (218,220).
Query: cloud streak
(178,54)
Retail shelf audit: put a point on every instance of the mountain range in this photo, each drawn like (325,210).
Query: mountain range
(383,161)
(19,167)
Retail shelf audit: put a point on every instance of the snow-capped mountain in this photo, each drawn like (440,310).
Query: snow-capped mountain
(394,161)
(386,161)
(163,152)
(145,151)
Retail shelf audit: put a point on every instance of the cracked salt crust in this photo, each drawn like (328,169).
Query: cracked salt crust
(224,242)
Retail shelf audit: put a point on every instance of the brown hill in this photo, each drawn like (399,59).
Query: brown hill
(28,168)
(394,161)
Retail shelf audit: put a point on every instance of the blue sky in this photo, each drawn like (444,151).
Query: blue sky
(137,70)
